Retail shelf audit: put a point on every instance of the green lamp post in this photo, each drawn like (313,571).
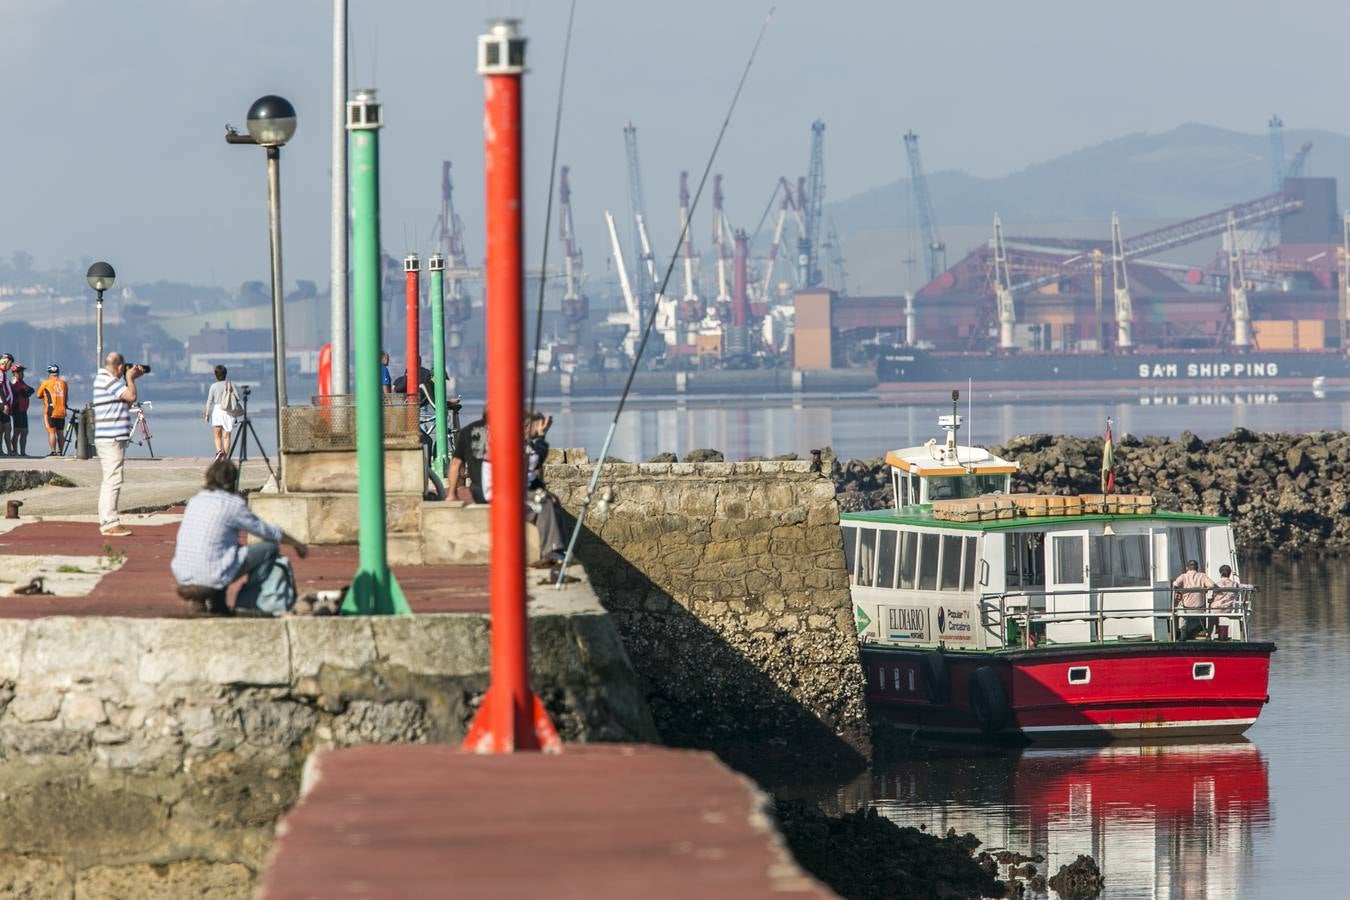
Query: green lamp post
(374,590)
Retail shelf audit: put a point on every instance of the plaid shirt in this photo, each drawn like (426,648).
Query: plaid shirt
(208,553)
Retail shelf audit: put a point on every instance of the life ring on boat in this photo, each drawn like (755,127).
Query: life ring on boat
(937,680)
(989,701)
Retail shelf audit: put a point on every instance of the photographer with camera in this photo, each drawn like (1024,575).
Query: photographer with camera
(114,392)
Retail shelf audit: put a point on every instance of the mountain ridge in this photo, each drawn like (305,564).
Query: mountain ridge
(1189,170)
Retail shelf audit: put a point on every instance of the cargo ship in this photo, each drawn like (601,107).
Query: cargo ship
(1044,618)
(909,368)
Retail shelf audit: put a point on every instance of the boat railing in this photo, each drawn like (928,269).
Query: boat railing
(1026,610)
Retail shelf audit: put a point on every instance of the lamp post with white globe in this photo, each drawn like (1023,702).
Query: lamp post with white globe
(101,277)
(271,123)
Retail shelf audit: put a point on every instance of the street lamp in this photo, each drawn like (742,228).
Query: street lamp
(101,277)
(271,123)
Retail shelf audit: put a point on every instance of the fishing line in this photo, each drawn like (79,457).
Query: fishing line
(656,306)
(548,211)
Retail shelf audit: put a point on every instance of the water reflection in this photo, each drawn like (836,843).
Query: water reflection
(1163,821)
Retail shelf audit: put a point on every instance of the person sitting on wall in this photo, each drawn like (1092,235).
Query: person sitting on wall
(465,482)
(208,555)
(1191,587)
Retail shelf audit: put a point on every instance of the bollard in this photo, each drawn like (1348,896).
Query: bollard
(84,433)
(12,509)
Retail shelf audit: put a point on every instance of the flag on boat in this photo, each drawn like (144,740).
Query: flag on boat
(1108,463)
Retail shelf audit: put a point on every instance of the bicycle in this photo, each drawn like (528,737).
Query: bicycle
(141,424)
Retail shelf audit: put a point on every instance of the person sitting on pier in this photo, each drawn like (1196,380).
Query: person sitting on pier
(208,555)
(1191,586)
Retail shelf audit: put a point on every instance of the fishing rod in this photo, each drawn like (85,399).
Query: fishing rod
(548,210)
(656,306)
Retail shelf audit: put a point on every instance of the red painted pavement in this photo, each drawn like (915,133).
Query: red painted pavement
(144,587)
(598,821)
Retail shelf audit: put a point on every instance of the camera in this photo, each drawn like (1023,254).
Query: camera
(143,366)
(245,390)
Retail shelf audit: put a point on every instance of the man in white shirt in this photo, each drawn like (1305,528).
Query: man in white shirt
(114,392)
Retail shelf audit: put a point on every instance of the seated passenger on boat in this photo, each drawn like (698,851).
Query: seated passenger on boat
(1191,587)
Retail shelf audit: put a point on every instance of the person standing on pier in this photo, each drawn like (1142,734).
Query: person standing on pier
(52,393)
(6,403)
(23,391)
(114,392)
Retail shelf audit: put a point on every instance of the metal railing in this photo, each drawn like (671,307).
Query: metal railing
(330,424)
(1018,608)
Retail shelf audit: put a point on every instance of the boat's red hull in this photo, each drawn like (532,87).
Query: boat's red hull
(1118,691)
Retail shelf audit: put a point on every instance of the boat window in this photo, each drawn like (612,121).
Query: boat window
(1023,554)
(1079,675)
(1068,558)
(928,562)
(896,673)
(951,562)
(911,681)
(1202,671)
(968,564)
(867,555)
(1120,561)
(1184,544)
(851,549)
(900,486)
(956,487)
(909,558)
(886,559)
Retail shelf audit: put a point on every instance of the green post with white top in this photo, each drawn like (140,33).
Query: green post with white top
(442,458)
(374,591)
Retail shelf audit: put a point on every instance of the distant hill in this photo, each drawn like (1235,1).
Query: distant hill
(1181,173)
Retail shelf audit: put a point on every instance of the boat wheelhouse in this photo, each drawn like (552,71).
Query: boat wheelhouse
(1044,616)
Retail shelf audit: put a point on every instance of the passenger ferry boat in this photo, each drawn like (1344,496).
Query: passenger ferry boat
(1042,617)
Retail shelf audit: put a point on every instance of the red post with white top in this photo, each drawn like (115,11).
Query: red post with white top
(511,716)
(412,271)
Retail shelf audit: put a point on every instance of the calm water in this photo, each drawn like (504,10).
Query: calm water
(855,426)
(1263,817)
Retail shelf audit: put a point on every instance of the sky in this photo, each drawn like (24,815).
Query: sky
(116,150)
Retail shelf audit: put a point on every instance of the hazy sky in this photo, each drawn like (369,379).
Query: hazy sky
(117,110)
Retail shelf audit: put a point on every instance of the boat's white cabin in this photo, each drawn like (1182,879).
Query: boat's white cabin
(920,475)
(917,581)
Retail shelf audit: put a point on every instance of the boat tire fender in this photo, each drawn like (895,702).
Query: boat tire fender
(989,701)
(937,679)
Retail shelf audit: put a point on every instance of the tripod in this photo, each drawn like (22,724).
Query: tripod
(239,440)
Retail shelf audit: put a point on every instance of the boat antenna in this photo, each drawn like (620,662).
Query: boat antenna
(970,419)
(548,210)
(952,454)
(651,319)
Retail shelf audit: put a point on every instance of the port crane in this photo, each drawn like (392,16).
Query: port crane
(788,204)
(691,305)
(450,236)
(1238,287)
(1120,281)
(837,280)
(935,251)
(633,317)
(812,201)
(721,240)
(645,269)
(1007,312)
(575,305)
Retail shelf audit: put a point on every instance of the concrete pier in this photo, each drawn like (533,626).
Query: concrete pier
(594,822)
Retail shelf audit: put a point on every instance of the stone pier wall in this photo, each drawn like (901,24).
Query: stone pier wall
(160,696)
(728,587)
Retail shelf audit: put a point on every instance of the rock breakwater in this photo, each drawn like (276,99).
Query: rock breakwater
(1286,493)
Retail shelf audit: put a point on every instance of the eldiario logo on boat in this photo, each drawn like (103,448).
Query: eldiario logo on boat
(907,623)
(954,624)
